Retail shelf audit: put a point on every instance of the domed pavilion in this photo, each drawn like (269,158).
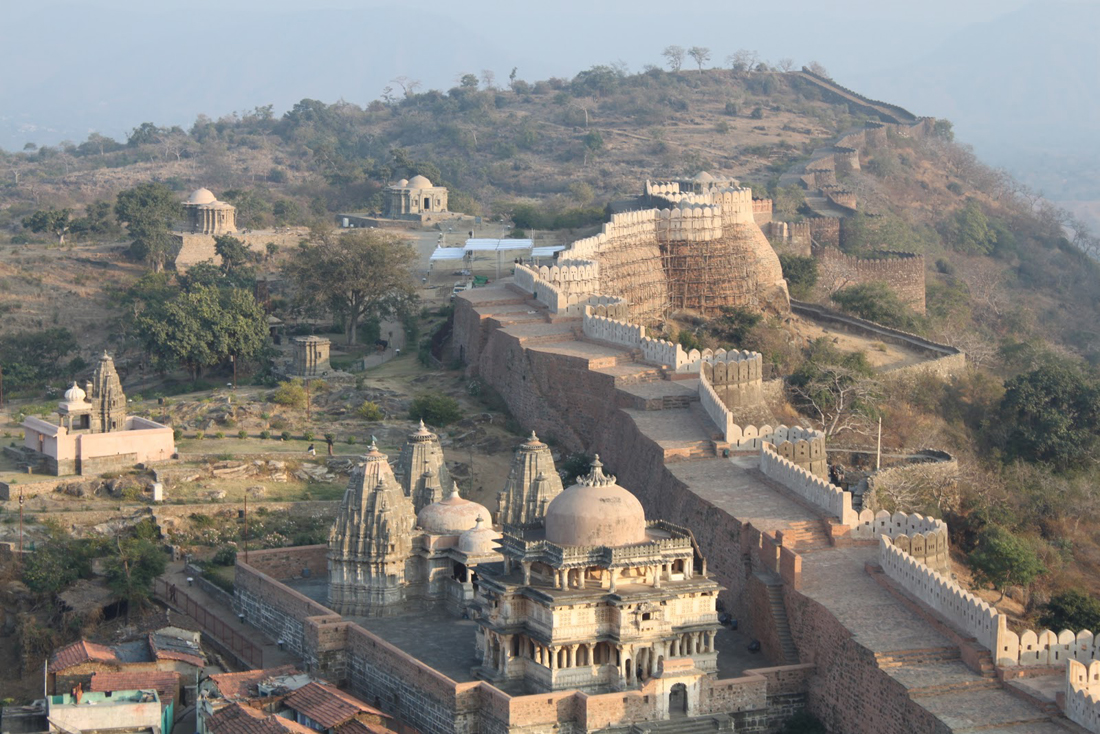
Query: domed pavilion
(596,597)
(207,215)
(416,198)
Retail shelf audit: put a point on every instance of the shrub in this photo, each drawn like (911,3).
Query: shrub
(800,272)
(1071,610)
(177,434)
(291,394)
(200,435)
(876,302)
(265,434)
(945,267)
(242,433)
(370,411)
(219,434)
(435,408)
(226,556)
(350,440)
(688,340)
(1003,559)
(284,436)
(307,436)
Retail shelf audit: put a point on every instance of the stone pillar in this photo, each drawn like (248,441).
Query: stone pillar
(526,573)
(580,578)
(614,573)
(657,577)
(710,640)
(557,579)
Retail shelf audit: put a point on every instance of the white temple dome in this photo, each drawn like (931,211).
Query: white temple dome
(595,512)
(703,177)
(74,394)
(402,183)
(480,539)
(451,516)
(419,182)
(202,196)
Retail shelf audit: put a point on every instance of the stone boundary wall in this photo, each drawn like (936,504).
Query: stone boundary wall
(715,408)
(1082,702)
(896,113)
(197,248)
(277,610)
(573,277)
(976,618)
(735,367)
(938,466)
(944,360)
(385,676)
(615,331)
(11,490)
(903,272)
(832,500)
(923,538)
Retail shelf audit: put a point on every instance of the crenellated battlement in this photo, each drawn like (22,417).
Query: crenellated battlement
(1082,702)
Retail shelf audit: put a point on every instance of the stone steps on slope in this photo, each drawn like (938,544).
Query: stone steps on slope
(896,658)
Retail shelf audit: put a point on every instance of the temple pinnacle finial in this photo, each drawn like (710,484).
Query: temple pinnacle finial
(454,491)
(533,436)
(422,427)
(596,477)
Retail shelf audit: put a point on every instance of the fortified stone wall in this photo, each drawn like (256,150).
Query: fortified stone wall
(197,248)
(1082,702)
(974,617)
(903,272)
(830,499)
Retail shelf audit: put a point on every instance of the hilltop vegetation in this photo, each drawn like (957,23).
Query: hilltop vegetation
(1007,282)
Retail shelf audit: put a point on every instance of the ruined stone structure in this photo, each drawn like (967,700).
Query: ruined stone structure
(421,469)
(532,483)
(596,599)
(206,215)
(416,198)
(310,356)
(92,433)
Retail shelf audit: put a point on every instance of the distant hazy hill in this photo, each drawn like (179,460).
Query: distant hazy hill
(79,76)
(1022,89)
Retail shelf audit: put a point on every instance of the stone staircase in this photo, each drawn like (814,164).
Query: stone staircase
(778,610)
(684,725)
(806,535)
(898,658)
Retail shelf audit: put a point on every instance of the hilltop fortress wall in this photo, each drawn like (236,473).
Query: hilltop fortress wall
(902,272)
(693,250)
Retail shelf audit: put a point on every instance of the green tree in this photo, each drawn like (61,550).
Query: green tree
(131,573)
(56,222)
(876,302)
(359,274)
(252,208)
(97,220)
(32,358)
(1002,559)
(971,232)
(56,564)
(148,211)
(435,408)
(202,327)
(1071,610)
(234,253)
(801,274)
(1051,415)
(290,394)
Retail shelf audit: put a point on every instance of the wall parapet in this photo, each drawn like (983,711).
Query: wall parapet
(1082,703)
(612,330)
(827,497)
(982,622)
(715,408)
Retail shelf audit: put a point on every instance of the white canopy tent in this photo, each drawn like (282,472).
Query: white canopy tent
(482,245)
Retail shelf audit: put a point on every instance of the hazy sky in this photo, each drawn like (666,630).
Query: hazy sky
(70,68)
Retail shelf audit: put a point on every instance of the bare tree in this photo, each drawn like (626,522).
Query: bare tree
(489,78)
(408,86)
(816,68)
(674,56)
(786,64)
(742,60)
(837,399)
(701,54)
